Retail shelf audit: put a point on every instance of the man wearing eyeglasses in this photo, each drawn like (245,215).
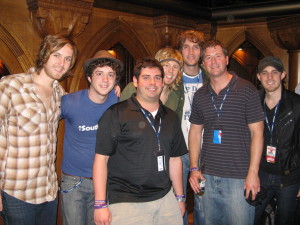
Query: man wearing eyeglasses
(279,167)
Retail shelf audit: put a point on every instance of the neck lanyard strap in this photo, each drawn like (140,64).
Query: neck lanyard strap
(271,128)
(214,103)
(157,132)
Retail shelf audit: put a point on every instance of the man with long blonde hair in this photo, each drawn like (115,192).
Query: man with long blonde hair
(172,94)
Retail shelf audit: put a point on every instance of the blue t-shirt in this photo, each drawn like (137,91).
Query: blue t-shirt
(81,123)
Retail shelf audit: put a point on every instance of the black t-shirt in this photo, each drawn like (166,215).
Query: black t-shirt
(127,137)
(273,168)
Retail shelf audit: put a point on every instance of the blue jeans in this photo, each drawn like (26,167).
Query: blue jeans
(78,203)
(18,212)
(198,202)
(224,202)
(198,210)
(285,199)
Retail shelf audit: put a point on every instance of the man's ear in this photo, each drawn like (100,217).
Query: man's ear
(283,75)
(135,81)
(258,76)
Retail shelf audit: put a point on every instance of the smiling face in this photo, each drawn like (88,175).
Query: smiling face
(271,78)
(215,61)
(191,53)
(171,69)
(102,81)
(58,63)
(149,84)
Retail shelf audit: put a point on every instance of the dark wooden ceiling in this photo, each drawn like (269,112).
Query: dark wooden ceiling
(204,9)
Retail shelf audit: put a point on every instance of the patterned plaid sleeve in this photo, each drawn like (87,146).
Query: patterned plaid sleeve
(28,140)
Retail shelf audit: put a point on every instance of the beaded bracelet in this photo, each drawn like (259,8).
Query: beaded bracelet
(194,169)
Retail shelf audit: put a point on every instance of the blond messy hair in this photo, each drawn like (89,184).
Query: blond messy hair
(167,54)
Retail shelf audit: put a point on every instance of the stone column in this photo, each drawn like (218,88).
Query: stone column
(294,68)
(67,17)
(167,28)
(285,32)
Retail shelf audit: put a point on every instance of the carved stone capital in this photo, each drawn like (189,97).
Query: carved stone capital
(167,28)
(208,29)
(285,31)
(67,17)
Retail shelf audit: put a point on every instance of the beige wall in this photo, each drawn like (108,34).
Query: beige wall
(257,31)
(19,42)
(15,24)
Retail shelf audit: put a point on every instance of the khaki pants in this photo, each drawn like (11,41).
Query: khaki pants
(164,211)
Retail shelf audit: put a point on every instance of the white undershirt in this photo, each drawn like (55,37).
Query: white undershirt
(154,113)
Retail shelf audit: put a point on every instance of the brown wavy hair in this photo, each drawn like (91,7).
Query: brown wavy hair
(191,35)
(53,43)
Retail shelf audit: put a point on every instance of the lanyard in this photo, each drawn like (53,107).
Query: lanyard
(273,121)
(157,132)
(213,101)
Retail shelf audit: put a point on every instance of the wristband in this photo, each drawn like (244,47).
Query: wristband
(194,169)
(180,198)
(100,206)
(99,201)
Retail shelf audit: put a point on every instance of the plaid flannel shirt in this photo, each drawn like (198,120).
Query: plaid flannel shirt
(28,140)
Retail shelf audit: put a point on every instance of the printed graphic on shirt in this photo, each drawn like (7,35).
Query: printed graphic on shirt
(191,85)
(87,128)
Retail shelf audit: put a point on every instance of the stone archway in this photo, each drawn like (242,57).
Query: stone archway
(117,30)
(243,36)
(13,53)
(245,51)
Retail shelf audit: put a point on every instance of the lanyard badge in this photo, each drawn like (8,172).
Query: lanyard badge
(218,131)
(271,149)
(161,163)
(271,154)
(217,137)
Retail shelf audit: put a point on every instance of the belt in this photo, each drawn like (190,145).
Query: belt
(89,178)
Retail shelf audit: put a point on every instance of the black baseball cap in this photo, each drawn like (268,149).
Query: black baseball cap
(270,61)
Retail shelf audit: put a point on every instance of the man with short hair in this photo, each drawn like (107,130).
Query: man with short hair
(279,167)
(228,112)
(137,163)
(190,45)
(29,115)
(82,111)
